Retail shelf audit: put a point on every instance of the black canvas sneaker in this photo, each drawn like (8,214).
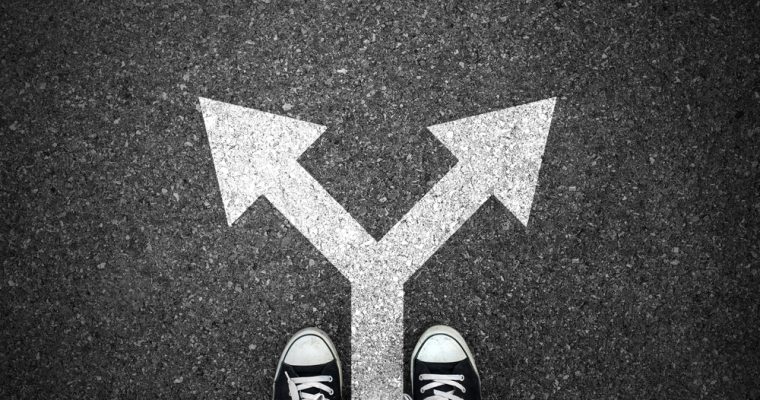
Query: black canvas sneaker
(443,367)
(309,368)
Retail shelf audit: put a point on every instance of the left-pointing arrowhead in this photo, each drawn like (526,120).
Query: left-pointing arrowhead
(502,150)
(251,149)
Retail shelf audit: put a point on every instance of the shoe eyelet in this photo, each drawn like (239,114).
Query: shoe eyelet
(422,391)
(332,392)
(461,377)
(331,379)
(420,377)
(464,390)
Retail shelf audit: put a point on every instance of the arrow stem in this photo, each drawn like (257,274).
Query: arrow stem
(321,219)
(377,344)
(432,221)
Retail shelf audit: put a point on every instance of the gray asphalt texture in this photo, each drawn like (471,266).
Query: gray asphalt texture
(637,276)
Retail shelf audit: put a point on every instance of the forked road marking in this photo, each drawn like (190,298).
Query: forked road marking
(255,154)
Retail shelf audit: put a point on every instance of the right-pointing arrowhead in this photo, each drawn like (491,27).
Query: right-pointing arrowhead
(250,148)
(503,149)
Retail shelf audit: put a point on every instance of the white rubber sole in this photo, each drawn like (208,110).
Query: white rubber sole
(442,330)
(321,334)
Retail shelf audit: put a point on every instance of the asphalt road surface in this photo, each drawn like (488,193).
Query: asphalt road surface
(637,276)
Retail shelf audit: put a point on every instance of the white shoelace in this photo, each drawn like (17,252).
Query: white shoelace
(296,385)
(442,380)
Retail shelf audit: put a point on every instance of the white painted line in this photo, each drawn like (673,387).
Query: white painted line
(499,153)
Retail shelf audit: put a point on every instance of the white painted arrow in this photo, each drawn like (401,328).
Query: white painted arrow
(255,154)
(499,153)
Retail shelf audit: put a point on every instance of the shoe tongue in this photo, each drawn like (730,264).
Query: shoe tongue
(307,370)
(443,368)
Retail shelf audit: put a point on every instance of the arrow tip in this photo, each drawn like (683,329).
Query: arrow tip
(249,147)
(530,134)
(505,147)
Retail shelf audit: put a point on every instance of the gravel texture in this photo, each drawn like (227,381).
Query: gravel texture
(637,276)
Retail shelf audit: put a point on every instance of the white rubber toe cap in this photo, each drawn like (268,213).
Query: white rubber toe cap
(441,344)
(309,349)
(441,348)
